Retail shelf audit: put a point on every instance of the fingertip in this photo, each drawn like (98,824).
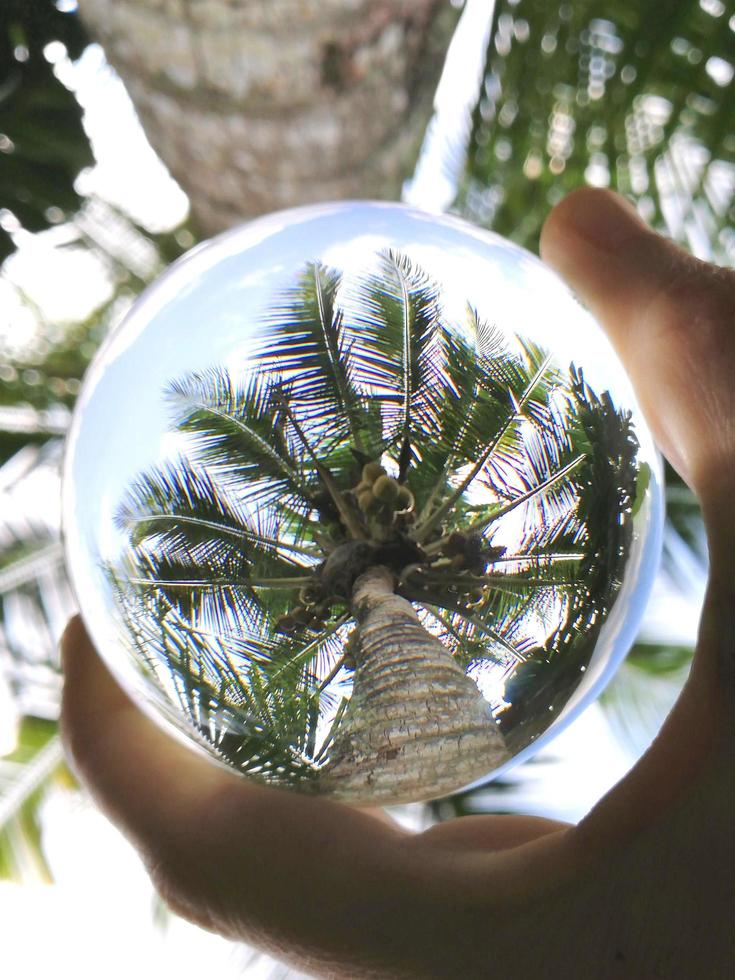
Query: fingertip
(597,240)
(91,702)
(74,636)
(89,692)
(595,215)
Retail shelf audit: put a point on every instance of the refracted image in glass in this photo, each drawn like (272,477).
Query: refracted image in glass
(377,558)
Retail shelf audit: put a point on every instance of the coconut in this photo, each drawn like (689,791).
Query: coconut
(371,472)
(386,489)
(366,501)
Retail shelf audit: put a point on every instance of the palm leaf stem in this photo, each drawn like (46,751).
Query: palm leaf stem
(307,650)
(336,364)
(481,627)
(334,727)
(291,582)
(482,523)
(425,529)
(497,580)
(332,674)
(504,579)
(406,353)
(242,534)
(446,624)
(350,519)
(34,774)
(524,584)
(435,491)
(287,582)
(536,557)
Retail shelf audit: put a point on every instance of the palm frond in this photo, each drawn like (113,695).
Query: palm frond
(307,345)
(472,638)
(25,777)
(35,597)
(607,487)
(22,565)
(254,700)
(213,587)
(396,345)
(232,427)
(509,391)
(182,507)
(459,417)
(31,776)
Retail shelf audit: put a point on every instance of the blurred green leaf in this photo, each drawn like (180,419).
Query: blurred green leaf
(43,145)
(26,774)
(632,95)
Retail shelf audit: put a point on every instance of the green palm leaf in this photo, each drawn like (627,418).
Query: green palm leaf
(482,421)
(460,415)
(235,428)
(255,701)
(184,509)
(607,485)
(307,344)
(25,777)
(397,347)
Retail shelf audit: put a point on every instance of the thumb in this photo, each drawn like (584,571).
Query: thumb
(669,316)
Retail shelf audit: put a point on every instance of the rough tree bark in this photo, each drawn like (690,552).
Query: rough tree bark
(256,105)
(415,721)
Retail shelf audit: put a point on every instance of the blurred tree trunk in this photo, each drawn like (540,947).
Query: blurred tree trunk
(256,105)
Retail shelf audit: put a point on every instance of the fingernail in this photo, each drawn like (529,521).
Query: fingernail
(603,218)
(71,639)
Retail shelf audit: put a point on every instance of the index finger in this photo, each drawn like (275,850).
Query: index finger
(670,317)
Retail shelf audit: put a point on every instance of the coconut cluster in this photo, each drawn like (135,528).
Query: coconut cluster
(312,611)
(299,617)
(384,503)
(377,492)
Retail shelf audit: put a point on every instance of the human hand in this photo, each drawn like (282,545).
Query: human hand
(643,887)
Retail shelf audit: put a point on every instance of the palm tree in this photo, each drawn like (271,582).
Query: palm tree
(281,95)
(386,515)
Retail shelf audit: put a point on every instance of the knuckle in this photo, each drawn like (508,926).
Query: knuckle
(178,894)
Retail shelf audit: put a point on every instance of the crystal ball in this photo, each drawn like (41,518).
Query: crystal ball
(359,502)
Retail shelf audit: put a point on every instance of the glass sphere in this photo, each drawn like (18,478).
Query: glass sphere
(358,500)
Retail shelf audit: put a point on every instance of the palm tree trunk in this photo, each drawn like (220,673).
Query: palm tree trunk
(416,726)
(265,104)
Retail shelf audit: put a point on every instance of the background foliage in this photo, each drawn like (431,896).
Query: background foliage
(632,95)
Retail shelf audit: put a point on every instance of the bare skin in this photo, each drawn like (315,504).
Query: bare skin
(643,887)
